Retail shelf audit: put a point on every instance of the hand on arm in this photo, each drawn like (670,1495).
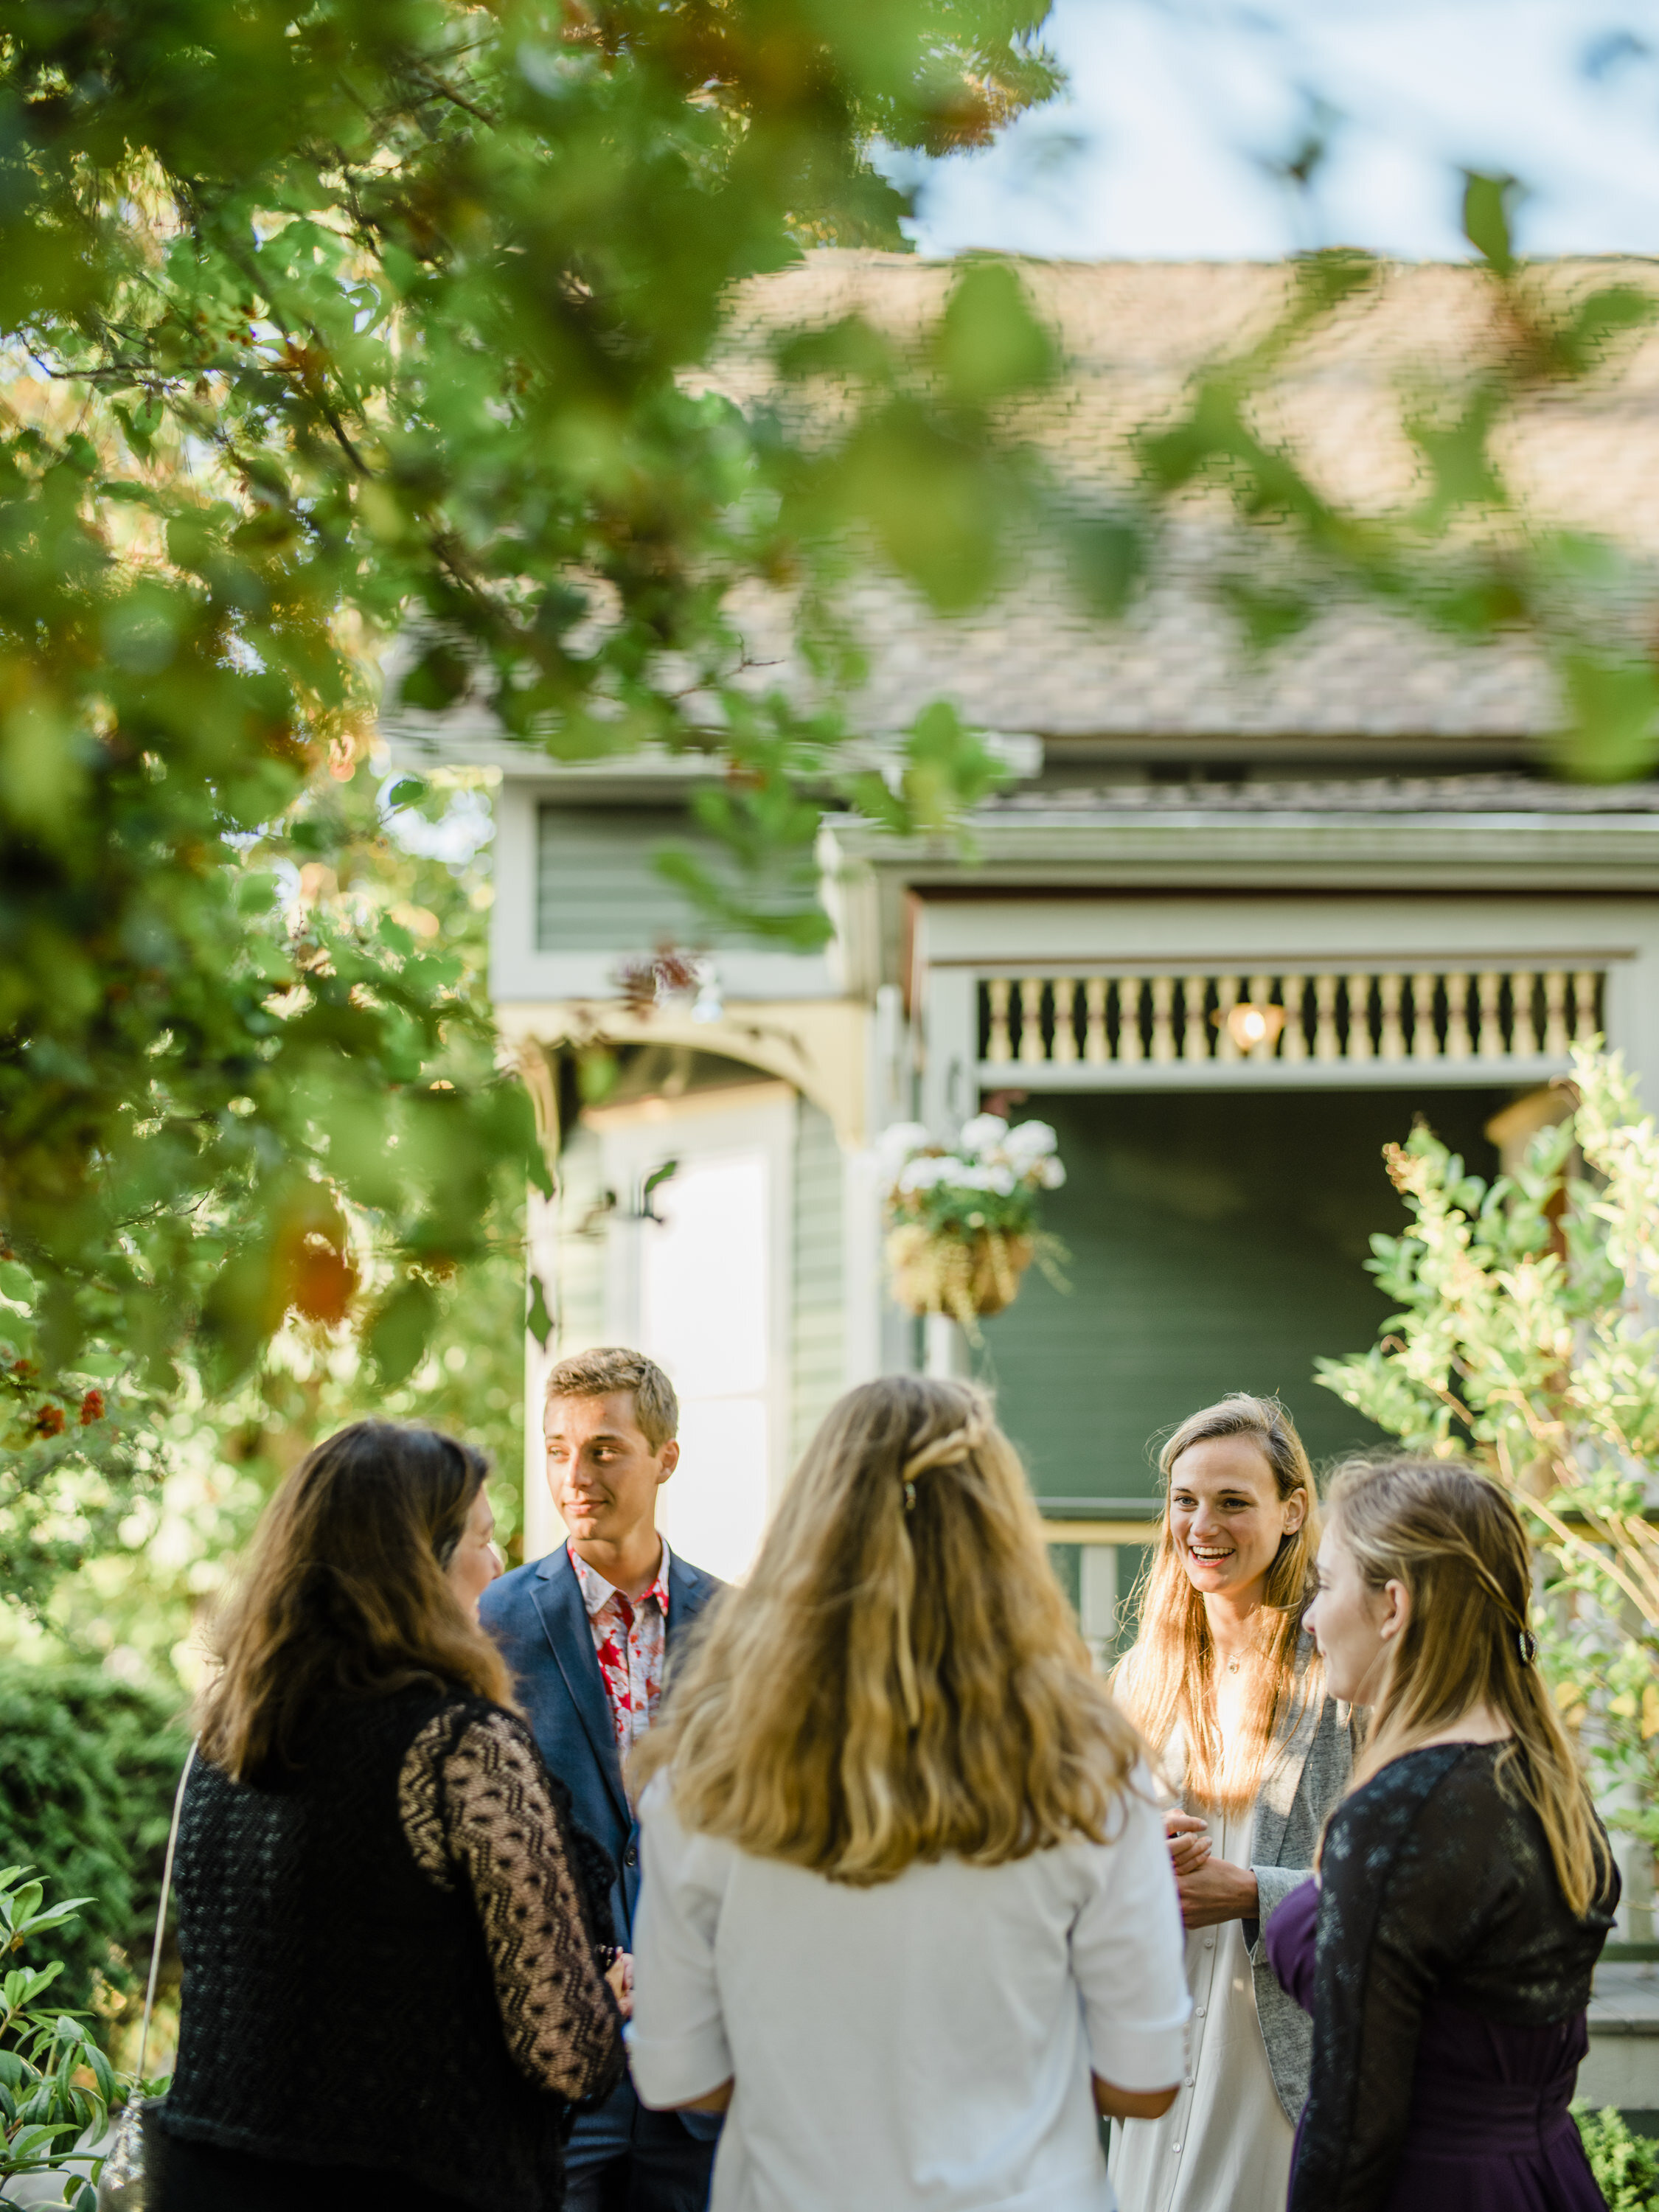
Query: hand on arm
(1218,1891)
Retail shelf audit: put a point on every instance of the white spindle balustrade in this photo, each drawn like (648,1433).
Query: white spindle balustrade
(1092,1025)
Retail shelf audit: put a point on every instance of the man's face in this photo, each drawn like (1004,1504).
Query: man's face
(603,1475)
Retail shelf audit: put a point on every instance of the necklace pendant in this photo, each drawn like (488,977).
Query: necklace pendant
(1232,1666)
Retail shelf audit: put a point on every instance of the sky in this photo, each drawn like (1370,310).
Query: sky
(1182,116)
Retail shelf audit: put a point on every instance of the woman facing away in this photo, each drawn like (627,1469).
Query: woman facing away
(1467,1886)
(391,1988)
(908,1915)
(1225,1684)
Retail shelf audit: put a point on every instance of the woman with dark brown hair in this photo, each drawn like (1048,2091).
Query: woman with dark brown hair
(1226,1687)
(388,1922)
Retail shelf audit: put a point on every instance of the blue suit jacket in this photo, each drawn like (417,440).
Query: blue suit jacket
(537,1616)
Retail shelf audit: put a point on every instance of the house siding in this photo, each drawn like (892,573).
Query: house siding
(818,1325)
(598,888)
(577,1293)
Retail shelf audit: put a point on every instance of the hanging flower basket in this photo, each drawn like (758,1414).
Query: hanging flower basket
(971,1277)
(962,1226)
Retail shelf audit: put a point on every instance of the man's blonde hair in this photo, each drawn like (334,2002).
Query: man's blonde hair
(900,1677)
(610,1369)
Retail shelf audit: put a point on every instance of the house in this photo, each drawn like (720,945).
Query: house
(1353,832)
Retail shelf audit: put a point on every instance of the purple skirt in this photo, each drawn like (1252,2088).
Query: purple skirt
(1489,2130)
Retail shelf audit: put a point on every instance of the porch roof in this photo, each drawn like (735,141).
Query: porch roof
(1445,834)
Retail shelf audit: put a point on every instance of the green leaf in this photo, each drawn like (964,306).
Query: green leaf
(1488,212)
(398,1331)
(1612,730)
(1107,561)
(539,1320)
(989,345)
(437,679)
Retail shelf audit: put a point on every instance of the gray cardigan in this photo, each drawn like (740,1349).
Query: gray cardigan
(1307,1772)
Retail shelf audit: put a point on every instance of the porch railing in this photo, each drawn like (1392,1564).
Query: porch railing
(1081,1029)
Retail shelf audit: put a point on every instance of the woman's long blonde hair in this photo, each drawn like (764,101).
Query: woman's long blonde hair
(1457,1543)
(900,1677)
(1168,1680)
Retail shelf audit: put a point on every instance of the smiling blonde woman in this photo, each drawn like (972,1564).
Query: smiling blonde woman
(1227,1686)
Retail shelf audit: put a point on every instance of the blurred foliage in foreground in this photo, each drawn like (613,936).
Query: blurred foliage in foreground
(315,321)
(319,324)
(114,1530)
(1526,1337)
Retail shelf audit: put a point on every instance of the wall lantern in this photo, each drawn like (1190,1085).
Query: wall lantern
(1252,1024)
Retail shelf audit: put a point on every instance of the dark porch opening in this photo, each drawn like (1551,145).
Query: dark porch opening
(1218,1242)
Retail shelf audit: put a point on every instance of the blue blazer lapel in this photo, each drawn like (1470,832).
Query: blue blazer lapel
(564,1618)
(689,1591)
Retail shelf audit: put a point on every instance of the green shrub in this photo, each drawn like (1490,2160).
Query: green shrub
(57,2088)
(1626,2166)
(88,1766)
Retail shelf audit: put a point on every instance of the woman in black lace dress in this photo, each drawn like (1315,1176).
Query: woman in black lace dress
(1466,1885)
(392,1988)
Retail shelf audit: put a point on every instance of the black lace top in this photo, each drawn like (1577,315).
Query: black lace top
(391,1958)
(480,1810)
(1437,1885)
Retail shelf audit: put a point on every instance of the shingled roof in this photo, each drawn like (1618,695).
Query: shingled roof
(1176,669)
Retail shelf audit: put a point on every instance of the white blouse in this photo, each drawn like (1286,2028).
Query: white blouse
(927,2042)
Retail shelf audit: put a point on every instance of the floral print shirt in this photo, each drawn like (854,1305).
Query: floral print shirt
(631,1637)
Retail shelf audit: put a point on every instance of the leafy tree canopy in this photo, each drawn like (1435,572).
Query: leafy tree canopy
(317,319)
(323,319)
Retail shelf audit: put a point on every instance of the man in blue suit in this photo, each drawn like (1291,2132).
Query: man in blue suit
(588,1631)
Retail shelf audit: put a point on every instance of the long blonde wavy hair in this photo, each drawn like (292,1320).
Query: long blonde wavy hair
(1167,1680)
(900,1677)
(1457,1543)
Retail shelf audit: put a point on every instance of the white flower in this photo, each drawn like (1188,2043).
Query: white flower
(983,1134)
(1028,1142)
(894,1146)
(1052,1174)
(969,1174)
(922,1174)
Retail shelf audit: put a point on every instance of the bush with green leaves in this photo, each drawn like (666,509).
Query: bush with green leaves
(57,2088)
(1524,1338)
(1626,2165)
(89,1766)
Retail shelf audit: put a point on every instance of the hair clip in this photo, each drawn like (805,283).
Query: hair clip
(1528,1643)
(909,1498)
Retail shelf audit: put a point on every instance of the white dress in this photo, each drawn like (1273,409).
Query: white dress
(1225,2145)
(926,2043)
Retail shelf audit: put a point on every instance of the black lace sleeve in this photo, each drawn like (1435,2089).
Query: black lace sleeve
(476,1801)
(1409,1883)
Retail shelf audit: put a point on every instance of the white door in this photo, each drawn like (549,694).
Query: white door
(699,1279)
